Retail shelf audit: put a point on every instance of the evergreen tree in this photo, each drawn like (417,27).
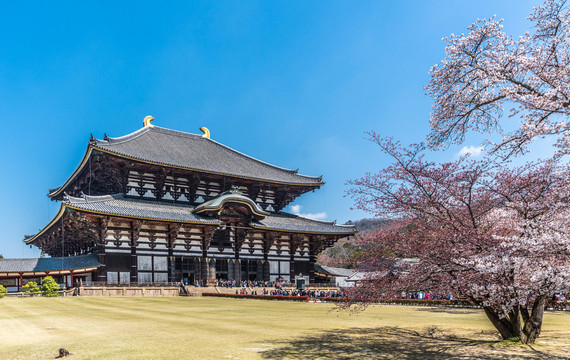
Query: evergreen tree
(50,287)
(31,288)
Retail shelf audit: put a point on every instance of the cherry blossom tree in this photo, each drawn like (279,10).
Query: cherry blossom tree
(488,71)
(497,236)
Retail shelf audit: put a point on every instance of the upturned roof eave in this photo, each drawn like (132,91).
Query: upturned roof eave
(48,226)
(57,191)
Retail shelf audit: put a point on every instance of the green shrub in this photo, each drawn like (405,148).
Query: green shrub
(31,288)
(49,287)
(3,291)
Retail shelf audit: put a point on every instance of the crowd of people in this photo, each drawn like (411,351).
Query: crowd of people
(243,284)
(283,288)
(295,292)
(252,284)
(273,288)
(421,295)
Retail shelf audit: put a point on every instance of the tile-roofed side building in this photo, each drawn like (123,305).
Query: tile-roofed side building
(333,275)
(68,270)
(43,265)
(334,270)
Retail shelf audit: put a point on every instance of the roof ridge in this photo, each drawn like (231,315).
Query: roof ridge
(295,172)
(18,259)
(121,139)
(139,132)
(186,134)
(177,132)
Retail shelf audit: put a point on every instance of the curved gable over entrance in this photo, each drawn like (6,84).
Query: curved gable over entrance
(233,201)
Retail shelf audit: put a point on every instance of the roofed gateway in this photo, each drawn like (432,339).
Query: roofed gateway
(159,206)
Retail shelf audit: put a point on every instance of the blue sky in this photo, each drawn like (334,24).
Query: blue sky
(292,83)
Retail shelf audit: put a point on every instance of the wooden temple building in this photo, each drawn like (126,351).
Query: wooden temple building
(160,206)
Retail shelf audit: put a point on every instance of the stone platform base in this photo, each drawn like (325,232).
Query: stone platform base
(129,291)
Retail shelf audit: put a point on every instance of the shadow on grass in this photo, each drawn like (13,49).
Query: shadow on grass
(459,311)
(395,343)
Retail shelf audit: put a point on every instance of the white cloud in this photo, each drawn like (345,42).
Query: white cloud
(315,216)
(296,209)
(472,150)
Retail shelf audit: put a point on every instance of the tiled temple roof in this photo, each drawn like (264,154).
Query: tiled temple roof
(121,206)
(190,151)
(293,223)
(49,264)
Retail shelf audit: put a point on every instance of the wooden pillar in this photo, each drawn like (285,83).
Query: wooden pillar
(315,247)
(136,226)
(266,269)
(20,283)
(204,269)
(260,273)
(237,269)
(102,271)
(212,269)
(312,260)
(205,245)
(239,239)
(134,265)
(231,270)
(197,268)
(292,267)
(268,240)
(171,267)
(71,278)
(173,230)
(294,244)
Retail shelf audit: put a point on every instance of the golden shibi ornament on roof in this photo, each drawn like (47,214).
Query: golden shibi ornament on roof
(206,132)
(147,120)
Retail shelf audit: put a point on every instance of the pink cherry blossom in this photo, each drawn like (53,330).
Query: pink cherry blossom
(497,236)
(487,71)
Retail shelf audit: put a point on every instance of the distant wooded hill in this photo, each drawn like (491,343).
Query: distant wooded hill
(344,253)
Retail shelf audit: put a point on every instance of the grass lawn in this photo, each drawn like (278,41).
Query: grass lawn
(216,328)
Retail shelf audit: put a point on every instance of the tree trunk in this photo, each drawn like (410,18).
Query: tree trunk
(525,314)
(515,319)
(533,326)
(503,325)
